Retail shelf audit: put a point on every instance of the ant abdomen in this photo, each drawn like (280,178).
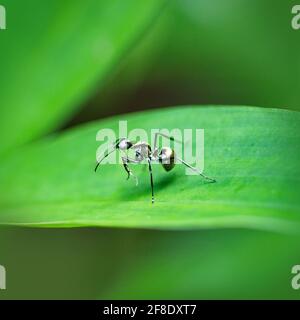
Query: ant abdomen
(167,158)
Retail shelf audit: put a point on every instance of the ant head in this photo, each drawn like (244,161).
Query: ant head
(123,144)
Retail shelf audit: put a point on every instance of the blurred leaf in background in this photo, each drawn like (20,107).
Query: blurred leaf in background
(115,263)
(213,264)
(54,52)
(62,264)
(234,52)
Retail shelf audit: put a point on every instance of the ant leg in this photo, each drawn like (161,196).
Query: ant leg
(196,170)
(165,136)
(151,179)
(125,161)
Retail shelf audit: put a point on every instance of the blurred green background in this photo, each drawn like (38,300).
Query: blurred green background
(66,63)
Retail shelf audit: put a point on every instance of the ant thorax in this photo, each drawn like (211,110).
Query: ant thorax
(142,150)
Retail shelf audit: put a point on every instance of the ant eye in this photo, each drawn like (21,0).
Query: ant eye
(129,144)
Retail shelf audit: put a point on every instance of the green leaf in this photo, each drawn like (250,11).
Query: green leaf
(252,152)
(217,61)
(213,264)
(115,263)
(54,52)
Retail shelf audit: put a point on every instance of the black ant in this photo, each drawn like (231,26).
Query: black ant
(166,156)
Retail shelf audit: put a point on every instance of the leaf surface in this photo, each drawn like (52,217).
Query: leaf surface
(54,52)
(252,152)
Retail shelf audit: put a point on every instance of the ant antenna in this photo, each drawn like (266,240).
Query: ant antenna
(106,154)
